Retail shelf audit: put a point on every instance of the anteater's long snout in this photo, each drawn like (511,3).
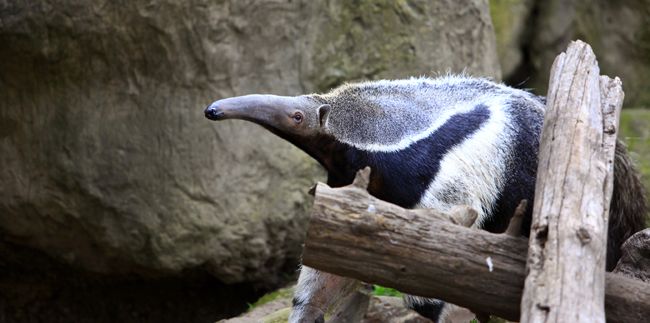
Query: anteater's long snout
(259,108)
(213,112)
(248,107)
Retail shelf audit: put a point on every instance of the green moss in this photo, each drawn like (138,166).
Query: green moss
(508,19)
(502,22)
(385,291)
(280,293)
(280,316)
(643,39)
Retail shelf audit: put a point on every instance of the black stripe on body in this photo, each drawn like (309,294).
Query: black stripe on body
(522,167)
(403,176)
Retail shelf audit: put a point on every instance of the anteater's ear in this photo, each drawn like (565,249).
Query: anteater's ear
(323,114)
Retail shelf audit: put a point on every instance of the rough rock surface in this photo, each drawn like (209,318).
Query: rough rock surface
(540,29)
(107,161)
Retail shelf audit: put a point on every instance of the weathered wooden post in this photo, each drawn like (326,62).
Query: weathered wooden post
(568,240)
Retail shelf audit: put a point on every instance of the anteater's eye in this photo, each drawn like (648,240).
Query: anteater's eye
(297,117)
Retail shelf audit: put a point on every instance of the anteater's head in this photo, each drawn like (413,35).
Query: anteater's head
(301,120)
(295,119)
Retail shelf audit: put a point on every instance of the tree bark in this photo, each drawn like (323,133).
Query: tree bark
(422,252)
(568,240)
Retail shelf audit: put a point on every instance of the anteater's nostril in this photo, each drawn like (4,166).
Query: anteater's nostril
(213,113)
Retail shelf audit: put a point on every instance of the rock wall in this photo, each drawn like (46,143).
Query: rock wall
(108,164)
(530,33)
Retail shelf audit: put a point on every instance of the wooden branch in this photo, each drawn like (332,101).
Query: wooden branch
(568,240)
(514,227)
(421,252)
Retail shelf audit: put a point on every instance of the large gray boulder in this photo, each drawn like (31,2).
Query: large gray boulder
(107,163)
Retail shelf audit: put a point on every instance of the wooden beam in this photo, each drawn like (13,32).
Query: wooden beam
(423,253)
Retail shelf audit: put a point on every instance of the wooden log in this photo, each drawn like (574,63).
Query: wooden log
(568,240)
(421,252)
(627,300)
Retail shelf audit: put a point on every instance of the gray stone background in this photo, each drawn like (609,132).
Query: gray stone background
(120,202)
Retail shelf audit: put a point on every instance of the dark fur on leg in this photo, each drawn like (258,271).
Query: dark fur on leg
(430,308)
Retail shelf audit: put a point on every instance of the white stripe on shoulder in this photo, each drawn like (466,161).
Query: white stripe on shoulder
(405,142)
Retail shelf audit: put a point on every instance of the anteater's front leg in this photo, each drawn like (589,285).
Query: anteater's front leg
(316,292)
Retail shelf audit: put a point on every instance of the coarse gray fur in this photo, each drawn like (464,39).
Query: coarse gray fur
(386,112)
